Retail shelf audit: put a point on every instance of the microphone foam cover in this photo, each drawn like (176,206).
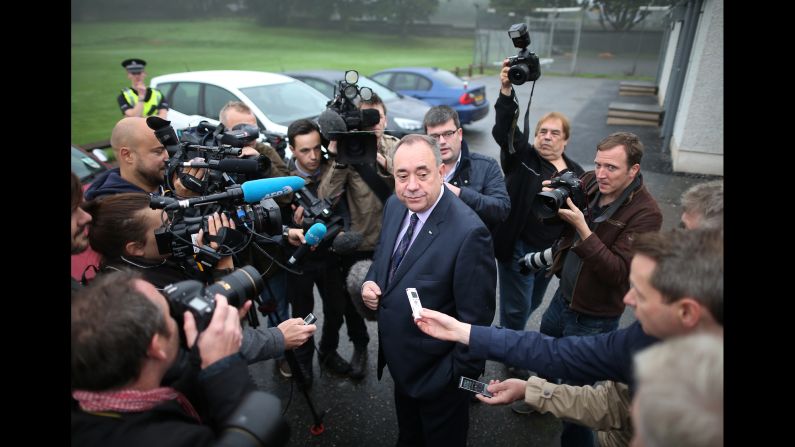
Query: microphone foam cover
(315,234)
(256,190)
(330,121)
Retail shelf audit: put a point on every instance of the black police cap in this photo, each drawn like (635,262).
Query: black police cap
(134,65)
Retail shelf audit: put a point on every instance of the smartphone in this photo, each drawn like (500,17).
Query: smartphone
(474,386)
(414,301)
(311,318)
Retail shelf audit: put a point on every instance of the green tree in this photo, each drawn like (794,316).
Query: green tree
(622,15)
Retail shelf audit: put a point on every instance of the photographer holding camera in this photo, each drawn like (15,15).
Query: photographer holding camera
(124,236)
(594,252)
(525,166)
(123,340)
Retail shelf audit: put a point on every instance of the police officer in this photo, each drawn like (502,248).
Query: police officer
(154,103)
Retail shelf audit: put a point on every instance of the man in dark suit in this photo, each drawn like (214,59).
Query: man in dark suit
(434,242)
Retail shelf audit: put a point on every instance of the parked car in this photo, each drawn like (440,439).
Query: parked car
(404,113)
(275,99)
(87,167)
(438,87)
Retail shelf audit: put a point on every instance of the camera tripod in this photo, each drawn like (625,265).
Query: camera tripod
(269,308)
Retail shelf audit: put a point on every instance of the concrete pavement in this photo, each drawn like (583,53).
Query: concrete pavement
(362,413)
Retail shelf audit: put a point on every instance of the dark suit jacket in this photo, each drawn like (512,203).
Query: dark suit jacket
(451,264)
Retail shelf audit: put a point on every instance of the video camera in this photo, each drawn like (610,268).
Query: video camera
(524,66)
(250,206)
(344,123)
(318,210)
(199,300)
(547,203)
(219,148)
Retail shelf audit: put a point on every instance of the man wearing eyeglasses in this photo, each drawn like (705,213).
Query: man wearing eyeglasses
(475,178)
(140,100)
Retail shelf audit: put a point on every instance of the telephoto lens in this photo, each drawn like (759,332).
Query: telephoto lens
(192,296)
(535,261)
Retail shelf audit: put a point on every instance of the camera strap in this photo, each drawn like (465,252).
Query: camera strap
(376,183)
(613,207)
(511,148)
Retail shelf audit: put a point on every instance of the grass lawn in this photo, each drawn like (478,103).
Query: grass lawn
(170,46)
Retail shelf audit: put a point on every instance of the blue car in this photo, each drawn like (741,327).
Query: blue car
(438,87)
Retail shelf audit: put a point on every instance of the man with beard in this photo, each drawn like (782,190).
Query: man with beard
(142,163)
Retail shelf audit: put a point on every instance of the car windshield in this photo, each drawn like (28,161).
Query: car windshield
(448,78)
(380,90)
(287,102)
(84,166)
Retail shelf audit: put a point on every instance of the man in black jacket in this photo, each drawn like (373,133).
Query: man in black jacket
(476,179)
(123,342)
(525,167)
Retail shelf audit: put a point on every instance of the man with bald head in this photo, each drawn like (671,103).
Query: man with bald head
(432,242)
(142,163)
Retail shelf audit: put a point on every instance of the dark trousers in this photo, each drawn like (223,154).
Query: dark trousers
(560,321)
(443,420)
(357,330)
(326,274)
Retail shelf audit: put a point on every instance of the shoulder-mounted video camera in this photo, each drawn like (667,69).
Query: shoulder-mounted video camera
(524,66)
(220,148)
(344,123)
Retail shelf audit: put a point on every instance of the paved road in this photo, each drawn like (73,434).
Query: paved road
(362,413)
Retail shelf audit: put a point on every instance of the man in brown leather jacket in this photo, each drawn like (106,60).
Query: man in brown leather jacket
(594,253)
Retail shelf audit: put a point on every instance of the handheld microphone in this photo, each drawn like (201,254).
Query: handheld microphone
(313,237)
(252,191)
(241,166)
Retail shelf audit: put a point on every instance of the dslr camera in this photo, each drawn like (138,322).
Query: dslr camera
(524,66)
(547,203)
(199,300)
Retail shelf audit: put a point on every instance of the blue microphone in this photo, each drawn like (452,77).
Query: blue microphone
(252,191)
(313,237)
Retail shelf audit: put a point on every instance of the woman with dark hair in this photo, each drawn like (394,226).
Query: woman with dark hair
(123,233)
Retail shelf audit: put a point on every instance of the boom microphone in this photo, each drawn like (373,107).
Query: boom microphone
(347,242)
(331,123)
(242,166)
(353,283)
(313,237)
(252,192)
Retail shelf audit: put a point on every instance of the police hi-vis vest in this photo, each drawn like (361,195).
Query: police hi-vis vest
(150,107)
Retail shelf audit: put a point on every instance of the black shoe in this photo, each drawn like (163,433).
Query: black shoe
(359,363)
(334,363)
